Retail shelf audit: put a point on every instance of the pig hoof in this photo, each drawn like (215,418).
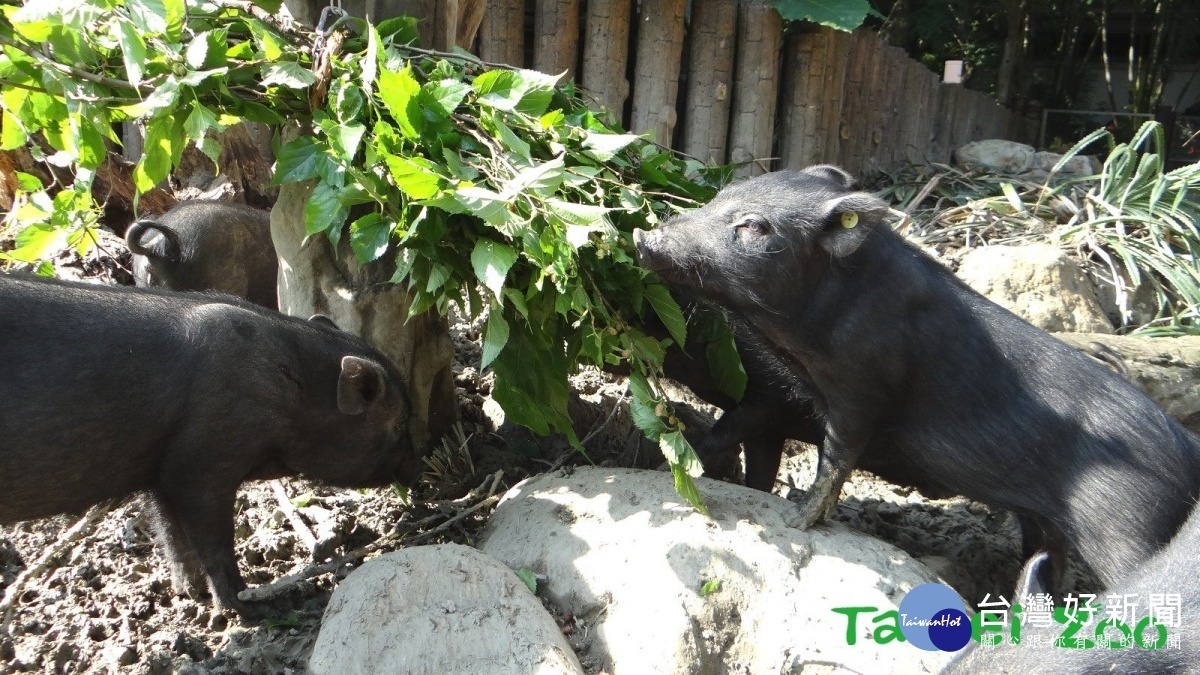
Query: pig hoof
(803,517)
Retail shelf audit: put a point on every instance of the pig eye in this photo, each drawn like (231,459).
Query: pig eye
(754,224)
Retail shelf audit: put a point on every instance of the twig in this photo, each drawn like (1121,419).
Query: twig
(293,516)
(49,557)
(281,586)
(612,413)
(70,70)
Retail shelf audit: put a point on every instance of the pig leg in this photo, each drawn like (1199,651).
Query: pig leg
(838,457)
(186,576)
(763,454)
(203,513)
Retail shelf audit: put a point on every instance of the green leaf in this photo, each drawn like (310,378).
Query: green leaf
(325,211)
(301,159)
(370,236)
(156,158)
(447,94)
(529,579)
(668,310)
(491,261)
(175,14)
(399,90)
(370,61)
(12,136)
(133,51)
(603,147)
(38,242)
(709,587)
(287,74)
(844,15)
(268,42)
(642,405)
(34,21)
(490,206)
(499,89)
(165,96)
(531,381)
(686,487)
(89,144)
(271,6)
(199,122)
(724,362)
(415,176)
(495,336)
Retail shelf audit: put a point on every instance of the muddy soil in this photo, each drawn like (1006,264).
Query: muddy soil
(104,603)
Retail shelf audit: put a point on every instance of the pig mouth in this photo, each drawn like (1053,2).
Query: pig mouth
(650,257)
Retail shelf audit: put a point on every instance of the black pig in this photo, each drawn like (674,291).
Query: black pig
(925,382)
(214,391)
(1174,569)
(206,245)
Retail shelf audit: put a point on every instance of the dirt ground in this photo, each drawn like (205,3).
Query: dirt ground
(104,602)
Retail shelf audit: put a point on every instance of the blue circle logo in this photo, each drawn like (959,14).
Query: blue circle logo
(933,618)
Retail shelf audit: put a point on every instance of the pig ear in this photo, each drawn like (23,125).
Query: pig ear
(835,174)
(151,239)
(323,320)
(361,383)
(848,220)
(1032,579)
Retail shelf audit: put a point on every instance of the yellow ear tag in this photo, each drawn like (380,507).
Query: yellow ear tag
(849,219)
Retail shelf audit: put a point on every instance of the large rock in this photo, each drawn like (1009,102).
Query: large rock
(1038,282)
(439,610)
(1167,369)
(995,156)
(620,549)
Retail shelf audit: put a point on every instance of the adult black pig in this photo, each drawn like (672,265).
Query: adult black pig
(1173,570)
(925,382)
(206,245)
(213,391)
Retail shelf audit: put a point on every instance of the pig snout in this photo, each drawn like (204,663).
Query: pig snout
(649,250)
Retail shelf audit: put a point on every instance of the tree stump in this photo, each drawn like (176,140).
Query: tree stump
(316,279)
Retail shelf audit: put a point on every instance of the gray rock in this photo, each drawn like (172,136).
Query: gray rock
(440,610)
(620,549)
(1039,283)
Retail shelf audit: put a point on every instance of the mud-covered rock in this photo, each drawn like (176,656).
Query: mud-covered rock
(1167,369)
(440,610)
(637,567)
(1039,283)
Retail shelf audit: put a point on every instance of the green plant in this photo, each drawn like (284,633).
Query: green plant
(493,189)
(1145,217)
(1134,220)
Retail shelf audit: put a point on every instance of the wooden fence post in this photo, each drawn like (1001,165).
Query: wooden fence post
(606,53)
(502,33)
(755,86)
(656,77)
(711,36)
(556,36)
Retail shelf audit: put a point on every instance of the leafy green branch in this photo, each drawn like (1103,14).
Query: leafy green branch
(493,189)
